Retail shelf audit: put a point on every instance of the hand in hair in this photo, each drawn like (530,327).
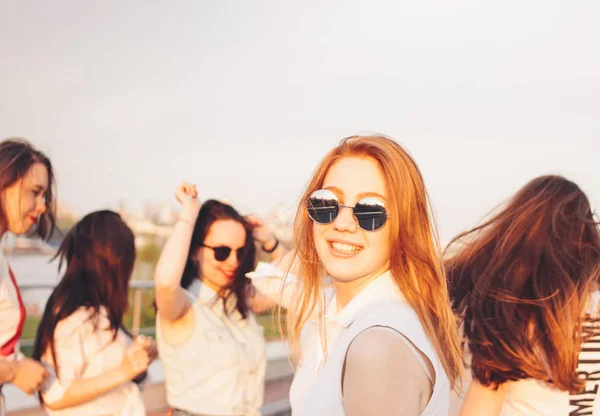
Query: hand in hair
(263,235)
(30,374)
(260,232)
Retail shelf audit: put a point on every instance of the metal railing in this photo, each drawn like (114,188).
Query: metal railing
(138,287)
(277,408)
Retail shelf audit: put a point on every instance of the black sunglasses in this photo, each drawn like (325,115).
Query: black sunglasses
(222,253)
(323,207)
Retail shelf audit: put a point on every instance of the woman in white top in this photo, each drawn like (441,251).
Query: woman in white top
(211,347)
(522,282)
(26,186)
(385,342)
(81,338)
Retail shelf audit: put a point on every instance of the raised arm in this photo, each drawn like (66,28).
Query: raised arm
(171,300)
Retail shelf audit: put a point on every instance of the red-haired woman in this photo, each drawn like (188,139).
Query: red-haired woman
(383,340)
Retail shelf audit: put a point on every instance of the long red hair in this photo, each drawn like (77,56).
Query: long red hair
(415,255)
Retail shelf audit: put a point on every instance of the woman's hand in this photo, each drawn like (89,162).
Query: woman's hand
(30,375)
(136,360)
(187,196)
(149,345)
(261,233)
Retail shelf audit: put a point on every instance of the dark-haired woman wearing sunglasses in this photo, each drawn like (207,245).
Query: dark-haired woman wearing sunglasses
(384,341)
(211,347)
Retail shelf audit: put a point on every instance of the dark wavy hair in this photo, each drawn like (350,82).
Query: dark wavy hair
(17,156)
(99,252)
(521,282)
(210,212)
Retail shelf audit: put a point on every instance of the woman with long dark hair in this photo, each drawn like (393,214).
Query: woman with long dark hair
(81,337)
(27,203)
(211,347)
(522,283)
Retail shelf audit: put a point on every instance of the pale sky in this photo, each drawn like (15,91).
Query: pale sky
(245,97)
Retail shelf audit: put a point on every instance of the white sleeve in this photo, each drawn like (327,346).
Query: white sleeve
(282,287)
(274,283)
(70,361)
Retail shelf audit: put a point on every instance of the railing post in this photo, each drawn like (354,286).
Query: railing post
(137,312)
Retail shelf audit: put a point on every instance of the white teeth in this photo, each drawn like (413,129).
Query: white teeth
(346,248)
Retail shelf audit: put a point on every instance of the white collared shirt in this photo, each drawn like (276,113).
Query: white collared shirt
(530,397)
(221,368)
(316,389)
(85,350)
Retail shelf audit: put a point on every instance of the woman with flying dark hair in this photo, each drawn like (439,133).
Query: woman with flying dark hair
(27,205)
(211,347)
(523,283)
(81,337)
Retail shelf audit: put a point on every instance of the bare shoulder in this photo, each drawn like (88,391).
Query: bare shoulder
(376,341)
(382,372)
(382,345)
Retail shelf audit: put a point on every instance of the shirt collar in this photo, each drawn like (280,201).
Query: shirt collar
(206,296)
(381,289)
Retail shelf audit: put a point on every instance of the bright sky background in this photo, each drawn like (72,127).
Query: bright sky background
(245,97)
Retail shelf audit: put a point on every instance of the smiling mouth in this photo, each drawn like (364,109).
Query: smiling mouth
(344,248)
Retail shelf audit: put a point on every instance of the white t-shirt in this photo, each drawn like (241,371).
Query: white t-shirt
(84,350)
(587,402)
(535,398)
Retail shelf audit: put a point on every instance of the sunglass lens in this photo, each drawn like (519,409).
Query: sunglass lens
(370,214)
(323,206)
(240,252)
(221,253)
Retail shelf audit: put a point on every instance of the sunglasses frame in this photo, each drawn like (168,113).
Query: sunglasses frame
(340,205)
(238,251)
